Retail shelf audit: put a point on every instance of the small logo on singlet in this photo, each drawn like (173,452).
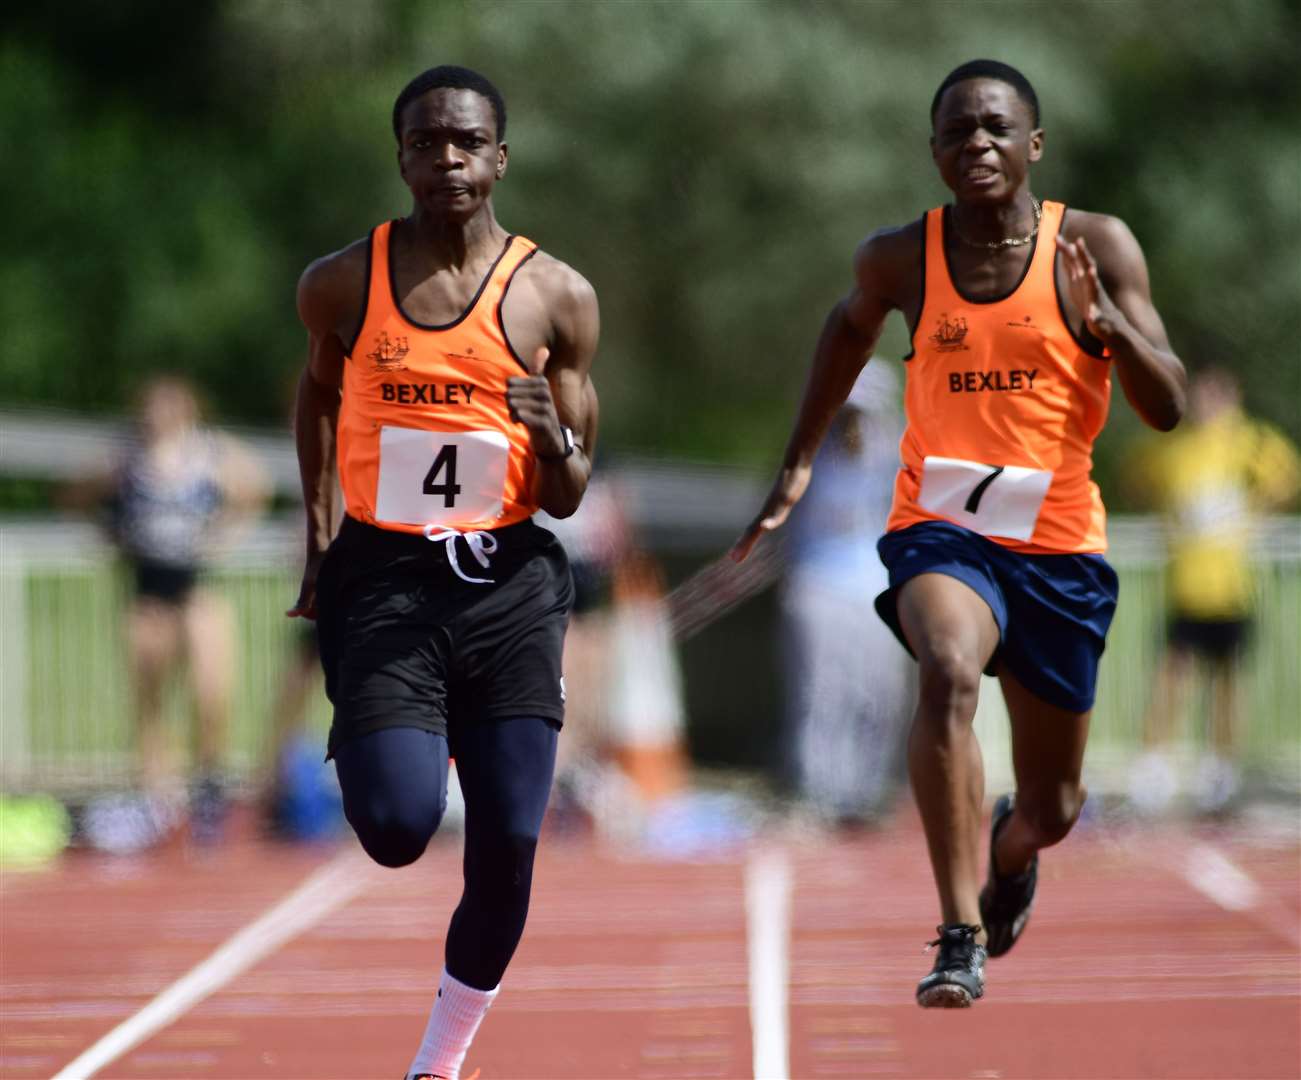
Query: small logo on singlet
(1026,325)
(389,353)
(950,333)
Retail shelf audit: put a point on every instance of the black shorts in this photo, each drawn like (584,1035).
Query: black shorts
(1212,639)
(405,642)
(164,582)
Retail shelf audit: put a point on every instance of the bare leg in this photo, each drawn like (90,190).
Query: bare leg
(289,710)
(152,637)
(1168,694)
(953,634)
(209,639)
(1047,756)
(1224,707)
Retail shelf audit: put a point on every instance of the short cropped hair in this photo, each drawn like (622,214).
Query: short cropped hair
(989,69)
(451,77)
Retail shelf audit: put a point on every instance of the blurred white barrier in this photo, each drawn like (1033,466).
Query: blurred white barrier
(65,703)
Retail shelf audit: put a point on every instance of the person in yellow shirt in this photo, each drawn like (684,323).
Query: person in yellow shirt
(1207,481)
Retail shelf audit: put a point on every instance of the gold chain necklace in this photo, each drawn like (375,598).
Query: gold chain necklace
(1009,242)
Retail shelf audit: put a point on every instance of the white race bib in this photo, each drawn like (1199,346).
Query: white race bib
(993,500)
(440,478)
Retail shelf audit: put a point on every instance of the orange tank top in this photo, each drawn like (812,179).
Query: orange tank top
(1003,404)
(425,437)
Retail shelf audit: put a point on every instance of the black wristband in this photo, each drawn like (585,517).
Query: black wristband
(568,435)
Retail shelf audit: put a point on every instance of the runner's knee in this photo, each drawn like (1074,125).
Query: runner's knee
(394,833)
(1051,812)
(949,682)
(394,786)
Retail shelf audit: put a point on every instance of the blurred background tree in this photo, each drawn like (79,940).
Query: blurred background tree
(708,164)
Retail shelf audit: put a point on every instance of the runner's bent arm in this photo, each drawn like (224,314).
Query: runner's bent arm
(1112,292)
(591,422)
(848,336)
(316,416)
(562,395)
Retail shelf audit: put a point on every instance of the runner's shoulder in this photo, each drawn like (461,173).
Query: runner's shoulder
(332,288)
(1107,236)
(566,298)
(560,287)
(888,260)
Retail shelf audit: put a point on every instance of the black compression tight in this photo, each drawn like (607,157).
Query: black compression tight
(394,785)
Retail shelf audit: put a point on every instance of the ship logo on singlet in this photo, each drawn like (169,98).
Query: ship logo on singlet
(389,352)
(950,334)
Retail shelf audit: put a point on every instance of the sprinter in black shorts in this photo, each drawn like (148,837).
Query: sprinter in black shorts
(449,361)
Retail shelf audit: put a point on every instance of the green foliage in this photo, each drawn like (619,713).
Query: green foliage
(710,165)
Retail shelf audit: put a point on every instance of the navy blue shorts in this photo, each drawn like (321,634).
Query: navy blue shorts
(1052,611)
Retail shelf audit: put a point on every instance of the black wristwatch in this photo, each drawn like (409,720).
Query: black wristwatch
(568,435)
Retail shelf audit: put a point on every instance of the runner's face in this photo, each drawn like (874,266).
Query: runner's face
(448,154)
(984,140)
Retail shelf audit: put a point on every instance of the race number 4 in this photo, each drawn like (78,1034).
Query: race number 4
(445,465)
(440,477)
(993,500)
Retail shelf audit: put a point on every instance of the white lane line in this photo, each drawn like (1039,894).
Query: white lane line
(1210,872)
(329,887)
(767,911)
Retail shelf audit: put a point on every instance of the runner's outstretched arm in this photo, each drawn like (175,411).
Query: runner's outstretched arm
(849,334)
(316,419)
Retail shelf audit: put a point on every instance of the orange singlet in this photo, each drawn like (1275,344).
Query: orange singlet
(425,437)
(1003,404)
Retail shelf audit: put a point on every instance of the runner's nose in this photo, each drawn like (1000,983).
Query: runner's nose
(449,156)
(977,142)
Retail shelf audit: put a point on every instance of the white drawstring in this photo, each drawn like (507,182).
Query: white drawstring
(481,545)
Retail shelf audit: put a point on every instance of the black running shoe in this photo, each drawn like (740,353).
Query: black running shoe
(958,977)
(1005,901)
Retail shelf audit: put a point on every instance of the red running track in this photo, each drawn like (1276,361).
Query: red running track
(1162,953)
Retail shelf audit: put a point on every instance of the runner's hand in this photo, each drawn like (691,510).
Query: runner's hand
(1101,315)
(786,492)
(305,606)
(529,399)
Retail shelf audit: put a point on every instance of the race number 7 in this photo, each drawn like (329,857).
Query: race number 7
(977,493)
(445,463)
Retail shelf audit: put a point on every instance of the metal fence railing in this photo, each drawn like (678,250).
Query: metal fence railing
(65,703)
(1270,682)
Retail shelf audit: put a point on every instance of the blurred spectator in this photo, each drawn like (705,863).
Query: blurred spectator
(851,688)
(300,799)
(180,489)
(1207,480)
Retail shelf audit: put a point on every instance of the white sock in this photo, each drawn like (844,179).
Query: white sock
(453,1021)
